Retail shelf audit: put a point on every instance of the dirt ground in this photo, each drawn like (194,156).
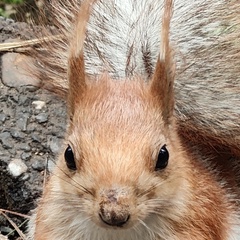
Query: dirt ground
(32,125)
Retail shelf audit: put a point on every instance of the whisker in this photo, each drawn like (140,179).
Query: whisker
(149,230)
(78,185)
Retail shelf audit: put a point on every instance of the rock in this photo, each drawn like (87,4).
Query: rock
(42,117)
(25,177)
(6,139)
(23,100)
(5,158)
(25,147)
(3,117)
(38,104)
(36,137)
(14,70)
(38,164)
(17,167)
(22,121)
(51,164)
(54,143)
(31,128)
(17,134)
(26,156)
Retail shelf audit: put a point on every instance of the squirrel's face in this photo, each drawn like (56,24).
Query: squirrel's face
(123,164)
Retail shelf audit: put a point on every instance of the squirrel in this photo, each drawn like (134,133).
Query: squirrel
(152,147)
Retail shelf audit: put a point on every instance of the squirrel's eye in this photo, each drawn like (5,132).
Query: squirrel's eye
(163,157)
(69,158)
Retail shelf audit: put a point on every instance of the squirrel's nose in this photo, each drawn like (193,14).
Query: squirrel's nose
(113,218)
(114,207)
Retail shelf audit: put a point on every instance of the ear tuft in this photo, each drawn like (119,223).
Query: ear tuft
(76,66)
(163,77)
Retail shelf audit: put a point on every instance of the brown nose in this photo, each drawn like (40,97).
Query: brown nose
(114,218)
(114,210)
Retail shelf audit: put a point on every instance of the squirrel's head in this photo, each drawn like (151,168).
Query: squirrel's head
(123,161)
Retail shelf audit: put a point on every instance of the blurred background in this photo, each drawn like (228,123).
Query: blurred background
(20,10)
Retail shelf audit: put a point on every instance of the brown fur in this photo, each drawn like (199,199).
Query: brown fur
(116,131)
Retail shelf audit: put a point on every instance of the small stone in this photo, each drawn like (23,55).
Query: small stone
(14,70)
(25,176)
(17,167)
(54,144)
(36,137)
(25,147)
(26,156)
(5,138)
(22,121)
(5,135)
(23,99)
(42,117)
(31,128)
(12,152)
(38,164)
(3,117)
(5,158)
(38,104)
(16,134)
(51,165)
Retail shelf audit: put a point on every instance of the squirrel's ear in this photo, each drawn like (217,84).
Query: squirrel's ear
(163,77)
(76,66)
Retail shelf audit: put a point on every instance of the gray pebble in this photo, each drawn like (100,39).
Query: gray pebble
(51,165)
(22,121)
(31,128)
(36,137)
(17,134)
(54,144)
(26,156)
(25,176)
(38,164)
(23,99)
(5,158)
(3,117)
(42,117)
(5,135)
(25,147)
(6,139)
(12,151)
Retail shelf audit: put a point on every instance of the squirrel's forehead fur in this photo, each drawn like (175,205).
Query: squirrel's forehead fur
(111,106)
(123,121)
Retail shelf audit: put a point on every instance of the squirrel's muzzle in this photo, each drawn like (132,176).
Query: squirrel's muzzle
(114,210)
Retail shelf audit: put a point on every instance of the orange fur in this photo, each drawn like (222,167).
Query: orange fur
(116,131)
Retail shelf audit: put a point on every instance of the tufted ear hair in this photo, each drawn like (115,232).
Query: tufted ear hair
(76,66)
(163,77)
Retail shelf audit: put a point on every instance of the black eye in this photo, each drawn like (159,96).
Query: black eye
(69,158)
(163,157)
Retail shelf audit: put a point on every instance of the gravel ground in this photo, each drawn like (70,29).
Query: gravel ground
(32,126)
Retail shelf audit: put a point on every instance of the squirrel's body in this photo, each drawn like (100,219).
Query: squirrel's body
(128,172)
